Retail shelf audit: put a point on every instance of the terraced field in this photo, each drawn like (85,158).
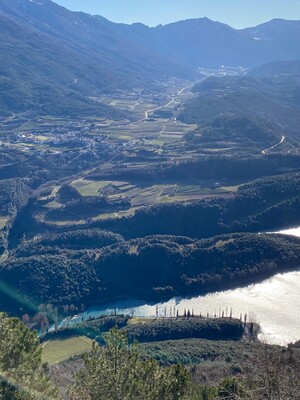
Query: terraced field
(89,188)
(157,131)
(141,196)
(138,195)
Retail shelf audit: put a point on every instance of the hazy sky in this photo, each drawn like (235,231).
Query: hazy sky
(237,13)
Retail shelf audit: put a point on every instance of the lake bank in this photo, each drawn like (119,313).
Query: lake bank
(272,303)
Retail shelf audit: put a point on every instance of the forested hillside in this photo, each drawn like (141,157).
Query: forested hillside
(263,94)
(161,251)
(151,268)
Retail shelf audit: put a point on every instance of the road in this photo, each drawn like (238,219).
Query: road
(147,113)
(182,90)
(265,151)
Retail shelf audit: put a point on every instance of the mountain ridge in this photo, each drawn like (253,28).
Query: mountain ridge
(79,55)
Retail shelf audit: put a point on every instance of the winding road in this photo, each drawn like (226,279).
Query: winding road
(265,151)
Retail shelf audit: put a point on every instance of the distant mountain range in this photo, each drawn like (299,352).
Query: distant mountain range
(49,53)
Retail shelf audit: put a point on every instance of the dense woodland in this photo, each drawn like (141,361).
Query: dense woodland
(240,165)
(160,252)
(249,210)
(152,268)
(168,329)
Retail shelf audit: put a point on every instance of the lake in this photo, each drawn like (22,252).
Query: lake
(273,303)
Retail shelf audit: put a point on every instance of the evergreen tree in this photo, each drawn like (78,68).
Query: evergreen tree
(20,362)
(117,371)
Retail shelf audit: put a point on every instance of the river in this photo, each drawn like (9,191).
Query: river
(273,303)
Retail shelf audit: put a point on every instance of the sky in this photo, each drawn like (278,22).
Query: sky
(237,13)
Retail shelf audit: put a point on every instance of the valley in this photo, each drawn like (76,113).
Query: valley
(151,134)
(86,192)
(149,191)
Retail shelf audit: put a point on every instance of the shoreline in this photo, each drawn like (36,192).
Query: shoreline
(265,303)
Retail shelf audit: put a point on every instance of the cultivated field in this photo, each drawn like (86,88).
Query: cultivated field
(60,350)
(137,194)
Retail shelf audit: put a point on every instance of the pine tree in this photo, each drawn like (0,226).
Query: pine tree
(116,371)
(20,359)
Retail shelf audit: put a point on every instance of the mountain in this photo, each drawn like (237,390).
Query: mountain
(269,93)
(202,42)
(278,38)
(54,60)
(32,79)
(112,49)
(277,68)
(207,43)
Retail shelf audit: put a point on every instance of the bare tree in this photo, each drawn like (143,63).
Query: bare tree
(275,375)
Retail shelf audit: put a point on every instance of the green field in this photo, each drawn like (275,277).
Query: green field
(158,131)
(138,195)
(89,188)
(60,350)
(53,204)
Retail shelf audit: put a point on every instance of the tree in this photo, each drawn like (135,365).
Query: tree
(230,389)
(275,375)
(20,360)
(26,319)
(117,371)
(207,393)
(9,391)
(42,322)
